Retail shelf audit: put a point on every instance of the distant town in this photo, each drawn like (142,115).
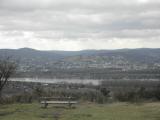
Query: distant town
(88,64)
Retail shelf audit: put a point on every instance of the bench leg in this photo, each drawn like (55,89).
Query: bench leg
(45,105)
(70,105)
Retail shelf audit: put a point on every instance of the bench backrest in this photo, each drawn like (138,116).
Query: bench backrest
(58,98)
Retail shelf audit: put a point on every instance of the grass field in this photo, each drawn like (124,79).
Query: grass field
(115,111)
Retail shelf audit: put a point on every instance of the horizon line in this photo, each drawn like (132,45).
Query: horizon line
(76,50)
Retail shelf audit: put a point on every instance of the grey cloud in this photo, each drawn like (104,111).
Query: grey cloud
(80,20)
(91,5)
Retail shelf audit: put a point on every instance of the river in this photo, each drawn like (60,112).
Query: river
(46,80)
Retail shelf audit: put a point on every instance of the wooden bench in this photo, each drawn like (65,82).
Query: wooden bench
(58,100)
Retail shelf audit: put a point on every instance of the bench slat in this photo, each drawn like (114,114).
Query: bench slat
(59,102)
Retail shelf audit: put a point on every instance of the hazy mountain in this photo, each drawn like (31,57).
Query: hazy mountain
(28,55)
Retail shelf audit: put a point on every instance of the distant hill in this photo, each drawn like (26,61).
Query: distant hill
(144,55)
(87,64)
(29,53)
(31,57)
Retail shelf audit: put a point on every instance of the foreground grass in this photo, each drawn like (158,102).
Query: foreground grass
(116,111)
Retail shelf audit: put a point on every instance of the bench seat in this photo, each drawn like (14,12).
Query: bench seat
(59,102)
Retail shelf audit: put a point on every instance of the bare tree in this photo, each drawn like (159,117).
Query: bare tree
(7,68)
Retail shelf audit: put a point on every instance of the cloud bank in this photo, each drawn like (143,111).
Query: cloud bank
(79,24)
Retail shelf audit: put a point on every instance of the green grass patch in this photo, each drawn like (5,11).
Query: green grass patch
(115,111)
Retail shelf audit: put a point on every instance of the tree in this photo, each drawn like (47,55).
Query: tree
(7,68)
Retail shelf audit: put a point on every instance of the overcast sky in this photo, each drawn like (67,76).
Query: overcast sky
(79,24)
